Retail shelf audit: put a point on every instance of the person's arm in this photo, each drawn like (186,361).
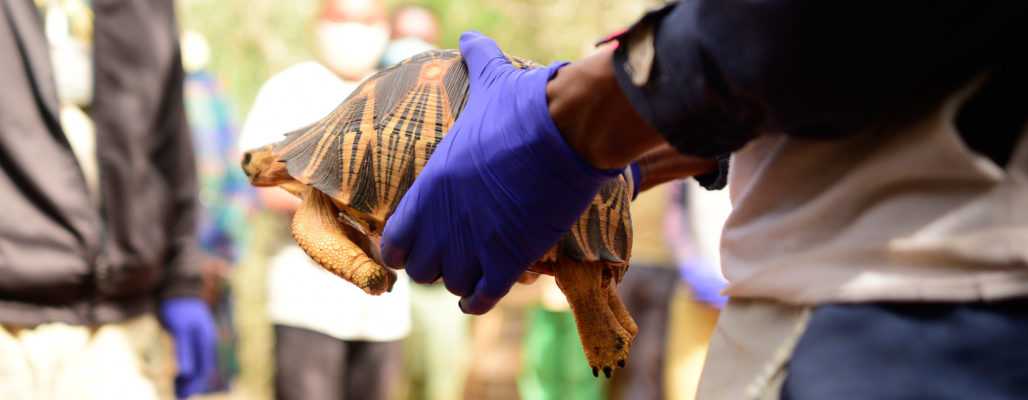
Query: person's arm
(710,75)
(531,148)
(181,310)
(665,164)
(177,163)
(594,117)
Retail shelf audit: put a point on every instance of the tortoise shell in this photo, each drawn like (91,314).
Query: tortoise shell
(366,154)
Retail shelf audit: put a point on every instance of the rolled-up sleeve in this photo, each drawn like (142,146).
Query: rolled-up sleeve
(711,75)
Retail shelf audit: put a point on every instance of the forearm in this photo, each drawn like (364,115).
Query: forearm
(664,164)
(177,163)
(593,116)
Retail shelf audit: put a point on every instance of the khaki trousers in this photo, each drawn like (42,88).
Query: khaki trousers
(126,360)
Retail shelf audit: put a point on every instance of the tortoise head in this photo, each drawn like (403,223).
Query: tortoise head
(264,168)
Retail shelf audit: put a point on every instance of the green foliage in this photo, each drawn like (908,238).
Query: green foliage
(252,39)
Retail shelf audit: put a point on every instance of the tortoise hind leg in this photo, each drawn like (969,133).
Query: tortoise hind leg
(332,245)
(621,312)
(605,341)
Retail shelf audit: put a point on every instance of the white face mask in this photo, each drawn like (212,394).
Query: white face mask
(351,49)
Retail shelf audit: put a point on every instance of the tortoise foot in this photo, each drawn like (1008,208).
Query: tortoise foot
(606,348)
(374,279)
(337,247)
(606,333)
(620,311)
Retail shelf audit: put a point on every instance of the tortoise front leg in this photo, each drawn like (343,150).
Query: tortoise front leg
(605,341)
(322,237)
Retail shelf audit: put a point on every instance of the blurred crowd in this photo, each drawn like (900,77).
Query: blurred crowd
(287,329)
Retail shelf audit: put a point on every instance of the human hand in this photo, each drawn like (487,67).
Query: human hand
(704,281)
(500,189)
(191,325)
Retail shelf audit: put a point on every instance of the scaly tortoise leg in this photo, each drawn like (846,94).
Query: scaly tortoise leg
(605,341)
(621,312)
(328,242)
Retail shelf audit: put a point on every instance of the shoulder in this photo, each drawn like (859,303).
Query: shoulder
(297,79)
(291,99)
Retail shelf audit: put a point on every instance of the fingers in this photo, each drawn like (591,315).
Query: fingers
(398,234)
(488,292)
(461,282)
(207,354)
(479,52)
(184,356)
(422,267)
(424,264)
(393,255)
(479,302)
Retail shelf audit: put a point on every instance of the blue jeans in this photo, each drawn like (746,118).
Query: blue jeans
(912,351)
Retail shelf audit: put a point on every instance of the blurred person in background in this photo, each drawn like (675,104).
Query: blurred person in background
(98,182)
(693,228)
(435,363)
(226,196)
(332,341)
(414,30)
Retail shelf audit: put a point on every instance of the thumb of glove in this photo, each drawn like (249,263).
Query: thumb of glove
(482,56)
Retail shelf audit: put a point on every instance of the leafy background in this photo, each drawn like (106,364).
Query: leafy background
(252,39)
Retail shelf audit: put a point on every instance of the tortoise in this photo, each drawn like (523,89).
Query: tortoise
(352,167)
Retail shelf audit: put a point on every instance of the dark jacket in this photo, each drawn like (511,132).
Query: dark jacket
(711,75)
(61,257)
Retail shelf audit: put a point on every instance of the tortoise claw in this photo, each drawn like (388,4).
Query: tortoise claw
(605,340)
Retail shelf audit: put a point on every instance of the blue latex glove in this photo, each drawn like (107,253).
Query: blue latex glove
(191,325)
(501,188)
(704,280)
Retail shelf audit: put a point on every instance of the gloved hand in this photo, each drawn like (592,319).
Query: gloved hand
(704,280)
(191,325)
(501,188)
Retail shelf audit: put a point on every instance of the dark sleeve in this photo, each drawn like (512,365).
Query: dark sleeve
(177,164)
(712,74)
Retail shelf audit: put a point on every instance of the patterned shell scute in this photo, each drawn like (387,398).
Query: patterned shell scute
(367,152)
(601,233)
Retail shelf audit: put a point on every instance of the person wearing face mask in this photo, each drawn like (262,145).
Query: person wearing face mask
(350,37)
(414,29)
(332,341)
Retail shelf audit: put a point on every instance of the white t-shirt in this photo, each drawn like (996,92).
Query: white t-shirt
(300,292)
(908,215)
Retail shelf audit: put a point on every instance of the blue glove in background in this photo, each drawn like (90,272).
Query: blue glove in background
(191,325)
(704,280)
(501,188)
